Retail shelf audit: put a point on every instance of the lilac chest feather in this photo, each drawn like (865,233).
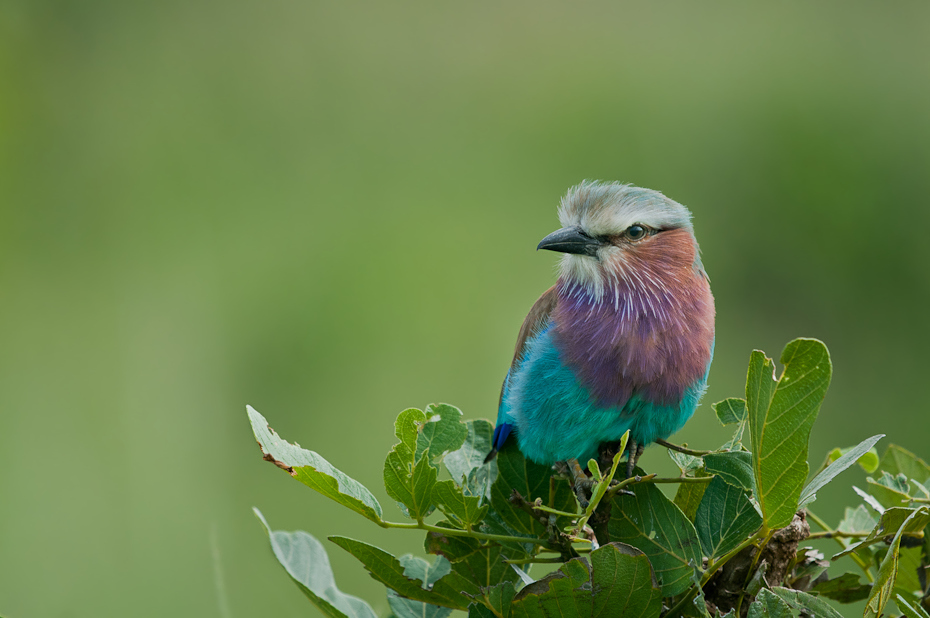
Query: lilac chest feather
(650,338)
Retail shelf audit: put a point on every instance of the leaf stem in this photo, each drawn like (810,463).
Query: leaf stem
(546,509)
(471,533)
(683,449)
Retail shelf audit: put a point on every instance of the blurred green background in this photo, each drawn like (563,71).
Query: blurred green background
(329,211)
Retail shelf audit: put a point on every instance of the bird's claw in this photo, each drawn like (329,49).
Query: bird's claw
(634,450)
(581,483)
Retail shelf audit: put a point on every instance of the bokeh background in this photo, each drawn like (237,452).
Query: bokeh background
(330,210)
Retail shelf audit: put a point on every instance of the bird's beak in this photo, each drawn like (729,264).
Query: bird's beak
(570,240)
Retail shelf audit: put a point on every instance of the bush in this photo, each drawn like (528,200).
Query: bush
(729,544)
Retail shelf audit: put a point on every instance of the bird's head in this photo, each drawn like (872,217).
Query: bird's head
(614,233)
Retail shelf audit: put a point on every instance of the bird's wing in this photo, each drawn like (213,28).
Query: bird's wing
(534,322)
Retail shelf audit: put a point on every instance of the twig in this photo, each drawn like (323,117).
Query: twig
(519,501)
(683,449)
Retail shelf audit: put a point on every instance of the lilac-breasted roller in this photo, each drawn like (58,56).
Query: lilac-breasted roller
(625,338)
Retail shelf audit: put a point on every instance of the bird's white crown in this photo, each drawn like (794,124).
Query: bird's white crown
(606,209)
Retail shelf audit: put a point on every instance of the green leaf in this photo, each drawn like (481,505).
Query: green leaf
(480,563)
(688,496)
(731,411)
(650,522)
(868,461)
(769,605)
(418,568)
(889,490)
(806,603)
(910,611)
(909,568)
(890,523)
(725,518)
(897,460)
(847,588)
(449,498)
(466,465)
(734,467)
(870,500)
(857,521)
(531,480)
(305,560)
(565,593)
(494,524)
(781,414)
(500,598)
(919,490)
(623,583)
(411,485)
(686,463)
(448,591)
(757,581)
(883,587)
(830,472)
(407,480)
(407,429)
(619,582)
(442,432)
(313,471)
(477,610)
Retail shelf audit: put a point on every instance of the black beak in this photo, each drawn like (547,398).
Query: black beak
(570,240)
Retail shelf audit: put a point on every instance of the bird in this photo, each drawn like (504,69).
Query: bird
(623,341)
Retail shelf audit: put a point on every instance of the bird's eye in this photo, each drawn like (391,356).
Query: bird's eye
(635,232)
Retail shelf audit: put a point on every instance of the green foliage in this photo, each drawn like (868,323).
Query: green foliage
(631,551)
(781,414)
(429,574)
(846,459)
(653,524)
(725,518)
(617,582)
(313,471)
(305,560)
(734,467)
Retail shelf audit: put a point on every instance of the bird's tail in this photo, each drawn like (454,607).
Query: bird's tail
(501,433)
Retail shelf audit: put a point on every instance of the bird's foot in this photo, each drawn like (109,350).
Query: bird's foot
(635,449)
(605,455)
(581,483)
